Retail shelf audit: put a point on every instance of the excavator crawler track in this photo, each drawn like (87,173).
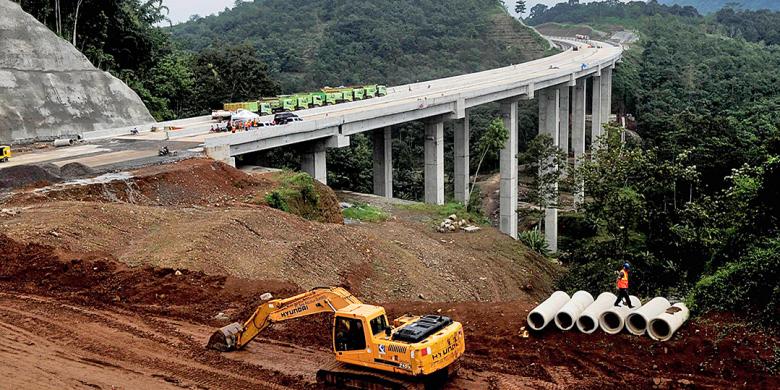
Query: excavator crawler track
(337,375)
(342,376)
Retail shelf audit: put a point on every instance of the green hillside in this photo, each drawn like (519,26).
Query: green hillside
(707,6)
(309,44)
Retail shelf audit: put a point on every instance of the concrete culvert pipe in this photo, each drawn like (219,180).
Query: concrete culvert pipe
(613,319)
(539,317)
(567,315)
(662,328)
(63,142)
(637,321)
(589,319)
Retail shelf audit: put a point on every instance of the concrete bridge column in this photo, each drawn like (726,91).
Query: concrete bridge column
(595,121)
(564,118)
(508,188)
(434,161)
(549,123)
(313,161)
(579,99)
(461,154)
(606,96)
(220,153)
(383,162)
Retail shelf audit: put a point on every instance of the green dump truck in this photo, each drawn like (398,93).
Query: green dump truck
(370,90)
(304,100)
(332,98)
(289,103)
(318,99)
(360,93)
(341,94)
(381,90)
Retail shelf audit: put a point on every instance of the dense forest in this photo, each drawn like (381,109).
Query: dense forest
(708,6)
(602,12)
(692,201)
(311,44)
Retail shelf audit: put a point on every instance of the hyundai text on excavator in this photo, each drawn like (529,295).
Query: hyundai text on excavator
(417,351)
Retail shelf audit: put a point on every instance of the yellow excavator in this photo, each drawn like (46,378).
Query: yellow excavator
(417,352)
(5,153)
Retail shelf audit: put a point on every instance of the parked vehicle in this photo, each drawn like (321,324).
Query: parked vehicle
(5,153)
(220,115)
(284,118)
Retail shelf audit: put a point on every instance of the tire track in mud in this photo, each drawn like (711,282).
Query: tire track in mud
(181,359)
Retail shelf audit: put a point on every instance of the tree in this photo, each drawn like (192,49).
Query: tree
(76,20)
(547,161)
(537,11)
(491,142)
(230,74)
(520,7)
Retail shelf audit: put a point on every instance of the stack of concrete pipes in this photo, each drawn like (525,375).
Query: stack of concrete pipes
(658,318)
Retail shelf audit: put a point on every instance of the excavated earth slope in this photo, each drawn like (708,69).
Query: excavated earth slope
(206,216)
(49,89)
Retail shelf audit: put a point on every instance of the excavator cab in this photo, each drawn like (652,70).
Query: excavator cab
(5,153)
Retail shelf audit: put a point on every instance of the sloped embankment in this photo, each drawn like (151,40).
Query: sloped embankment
(205,216)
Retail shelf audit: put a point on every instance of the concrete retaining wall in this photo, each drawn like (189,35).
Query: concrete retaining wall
(48,89)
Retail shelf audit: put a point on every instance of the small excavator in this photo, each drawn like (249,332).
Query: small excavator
(417,352)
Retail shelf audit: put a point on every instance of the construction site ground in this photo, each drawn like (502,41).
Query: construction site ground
(117,284)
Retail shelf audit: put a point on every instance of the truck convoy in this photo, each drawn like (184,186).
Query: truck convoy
(415,352)
(301,101)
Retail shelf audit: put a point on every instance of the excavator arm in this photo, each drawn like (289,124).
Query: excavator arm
(319,300)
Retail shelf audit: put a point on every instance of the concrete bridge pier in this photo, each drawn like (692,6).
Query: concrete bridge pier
(549,123)
(579,98)
(383,162)
(313,160)
(606,96)
(595,121)
(220,153)
(434,161)
(565,126)
(508,167)
(461,154)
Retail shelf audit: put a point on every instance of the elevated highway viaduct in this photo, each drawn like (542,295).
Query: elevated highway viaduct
(559,83)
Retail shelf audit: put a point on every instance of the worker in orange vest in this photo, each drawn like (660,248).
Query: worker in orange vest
(622,286)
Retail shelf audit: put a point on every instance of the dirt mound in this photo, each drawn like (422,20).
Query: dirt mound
(25,176)
(328,204)
(195,181)
(393,260)
(185,183)
(51,168)
(75,169)
(99,279)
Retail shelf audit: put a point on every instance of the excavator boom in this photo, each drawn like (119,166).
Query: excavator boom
(319,300)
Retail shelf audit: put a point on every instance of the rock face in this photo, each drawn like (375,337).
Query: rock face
(49,89)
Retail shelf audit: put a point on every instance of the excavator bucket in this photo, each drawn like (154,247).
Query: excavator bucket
(224,339)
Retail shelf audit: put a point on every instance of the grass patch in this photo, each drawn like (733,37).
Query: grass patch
(366,213)
(447,209)
(296,194)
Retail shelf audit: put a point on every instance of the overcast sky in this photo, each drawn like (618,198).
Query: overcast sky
(181,10)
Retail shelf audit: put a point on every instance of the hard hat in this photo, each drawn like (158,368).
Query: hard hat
(626,265)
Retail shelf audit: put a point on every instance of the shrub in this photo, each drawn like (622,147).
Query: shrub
(535,240)
(746,285)
(296,194)
(276,200)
